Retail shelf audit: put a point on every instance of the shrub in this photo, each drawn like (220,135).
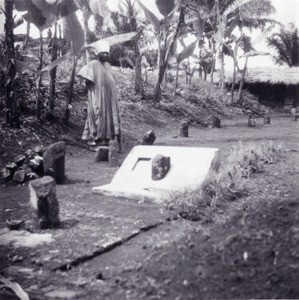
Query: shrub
(227,180)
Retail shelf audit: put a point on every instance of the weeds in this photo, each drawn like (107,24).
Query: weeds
(227,180)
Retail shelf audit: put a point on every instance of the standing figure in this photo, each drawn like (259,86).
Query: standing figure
(103,121)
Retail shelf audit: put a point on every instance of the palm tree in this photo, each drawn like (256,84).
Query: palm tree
(286,44)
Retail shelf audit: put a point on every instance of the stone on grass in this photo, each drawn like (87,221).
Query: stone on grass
(184,129)
(113,156)
(160,166)
(216,122)
(267,120)
(44,202)
(149,138)
(294,114)
(19,176)
(102,153)
(251,123)
(54,162)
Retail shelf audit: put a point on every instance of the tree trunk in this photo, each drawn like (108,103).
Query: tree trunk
(222,74)
(53,71)
(240,92)
(233,81)
(38,91)
(27,38)
(176,77)
(139,89)
(71,92)
(213,62)
(165,55)
(12,109)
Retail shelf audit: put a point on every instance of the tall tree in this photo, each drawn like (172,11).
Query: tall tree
(286,44)
(12,107)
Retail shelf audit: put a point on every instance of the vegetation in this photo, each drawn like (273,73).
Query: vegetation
(211,23)
(286,44)
(227,180)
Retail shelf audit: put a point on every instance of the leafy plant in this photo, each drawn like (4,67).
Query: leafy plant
(227,180)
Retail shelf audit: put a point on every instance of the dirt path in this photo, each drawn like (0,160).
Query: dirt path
(113,248)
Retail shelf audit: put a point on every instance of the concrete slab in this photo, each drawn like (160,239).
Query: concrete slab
(189,168)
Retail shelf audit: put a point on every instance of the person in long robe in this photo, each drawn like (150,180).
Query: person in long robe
(103,121)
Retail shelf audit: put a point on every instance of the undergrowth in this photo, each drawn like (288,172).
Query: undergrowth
(227,180)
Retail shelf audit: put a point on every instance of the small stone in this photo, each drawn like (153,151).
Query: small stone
(54,162)
(102,153)
(267,120)
(5,175)
(19,176)
(113,156)
(149,138)
(12,167)
(29,153)
(251,123)
(216,122)
(39,150)
(44,202)
(184,129)
(19,159)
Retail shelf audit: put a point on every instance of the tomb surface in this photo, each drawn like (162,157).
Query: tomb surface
(189,166)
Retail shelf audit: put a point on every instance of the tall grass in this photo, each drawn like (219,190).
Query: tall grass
(227,180)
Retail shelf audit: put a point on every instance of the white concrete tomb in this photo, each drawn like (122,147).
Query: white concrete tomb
(189,166)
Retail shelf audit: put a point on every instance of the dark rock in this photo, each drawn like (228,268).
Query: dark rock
(19,159)
(14,224)
(267,120)
(44,202)
(251,123)
(149,138)
(160,166)
(12,167)
(184,129)
(216,122)
(102,153)
(39,150)
(54,162)
(19,176)
(113,156)
(29,153)
(5,175)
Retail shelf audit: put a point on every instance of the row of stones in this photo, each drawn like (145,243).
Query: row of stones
(36,163)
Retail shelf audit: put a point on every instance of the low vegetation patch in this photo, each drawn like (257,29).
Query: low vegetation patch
(227,180)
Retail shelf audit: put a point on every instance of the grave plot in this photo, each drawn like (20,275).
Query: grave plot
(154,172)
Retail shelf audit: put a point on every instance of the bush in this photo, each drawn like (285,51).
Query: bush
(227,180)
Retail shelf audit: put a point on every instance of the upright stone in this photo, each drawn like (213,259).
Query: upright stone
(149,138)
(102,153)
(113,156)
(184,129)
(216,122)
(294,114)
(160,166)
(267,120)
(44,202)
(251,122)
(54,162)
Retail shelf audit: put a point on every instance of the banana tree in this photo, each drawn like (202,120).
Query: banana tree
(184,54)
(166,39)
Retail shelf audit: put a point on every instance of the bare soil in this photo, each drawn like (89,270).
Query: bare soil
(110,248)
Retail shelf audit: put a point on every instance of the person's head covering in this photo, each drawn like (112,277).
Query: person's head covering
(102,46)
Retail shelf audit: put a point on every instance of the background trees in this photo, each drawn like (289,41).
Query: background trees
(286,44)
